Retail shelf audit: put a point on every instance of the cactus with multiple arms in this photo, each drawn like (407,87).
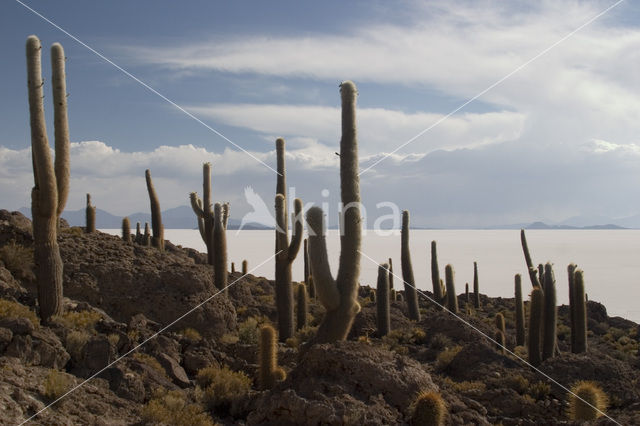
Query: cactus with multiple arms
(382,301)
(339,296)
(407,271)
(203,211)
(156,215)
(519,311)
(90,216)
(51,183)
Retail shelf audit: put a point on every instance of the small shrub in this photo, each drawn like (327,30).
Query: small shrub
(57,384)
(593,394)
(303,335)
(445,357)
(18,259)
(266,299)
(229,339)
(75,342)
(191,334)
(466,387)
(539,390)
(172,409)
(248,332)
(133,335)
(440,342)
(222,387)
(150,361)
(77,231)
(9,309)
(114,339)
(517,382)
(79,320)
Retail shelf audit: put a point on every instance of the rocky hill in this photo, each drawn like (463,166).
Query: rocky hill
(117,357)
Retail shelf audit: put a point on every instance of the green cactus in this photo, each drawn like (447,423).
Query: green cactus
(302,307)
(90,213)
(527,257)
(340,296)
(407,271)
(157,240)
(550,314)
(579,342)
(587,401)
(220,272)
(268,371)
(245,267)
(204,211)
(51,181)
(476,286)
(452,299)
(435,275)
(428,409)
(571,269)
(126,230)
(146,238)
(535,326)
(382,301)
(519,312)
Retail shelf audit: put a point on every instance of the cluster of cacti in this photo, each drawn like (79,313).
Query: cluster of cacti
(476,287)
(339,296)
(520,333)
(90,214)
(157,240)
(286,251)
(578,310)
(501,332)
(126,230)
(407,271)
(51,181)
(587,401)
(302,307)
(436,282)
(452,298)
(428,409)
(383,319)
(268,370)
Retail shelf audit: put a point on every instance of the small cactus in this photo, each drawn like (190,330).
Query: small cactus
(500,325)
(466,294)
(428,409)
(452,299)
(580,301)
(269,372)
(156,214)
(535,326)
(382,301)
(126,230)
(90,213)
(435,275)
(302,307)
(233,267)
(407,271)
(146,238)
(501,342)
(476,287)
(138,233)
(520,335)
(595,405)
(245,267)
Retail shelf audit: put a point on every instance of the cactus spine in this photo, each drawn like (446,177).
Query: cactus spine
(220,272)
(382,301)
(203,211)
(435,275)
(519,311)
(527,258)
(476,286)
(302,307)
(156,215)
(452,299)
(90,213)
(407,271)
(428,409)
(126,230)
(340,296)
(535,325)
(550,313)
(580,310)
(245,267)
(269,372)
(51,182)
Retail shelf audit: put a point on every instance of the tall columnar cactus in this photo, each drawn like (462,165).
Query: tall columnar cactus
(571,270)
(156,214)
(541,276)
(340,296)
(302,307)
(245,267)
(519,311)
(500,324)
(407,271)
(476,286)
(308,279)
(580,302)
(550,313)
(90,213)
(286,251)
(535,326)
(527,257)
(501,332)
(126,230)
(268,370)
(204,211)
(382,301)
(452,298)
(220,272)
(435,275)
(51,182)
(428,409)
(466,294)
(139,236)
(390,274)
(146,238)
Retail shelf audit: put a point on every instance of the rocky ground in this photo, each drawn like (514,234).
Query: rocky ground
(203,369)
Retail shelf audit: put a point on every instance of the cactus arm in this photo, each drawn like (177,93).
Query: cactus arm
(196,204)
(535,282)
(326,288)
(225,215)
(281,185)
(61,125)
(282,242)
(296,237)
(206,189)
(220,250)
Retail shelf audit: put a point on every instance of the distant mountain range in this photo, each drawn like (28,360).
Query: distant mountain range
(183,218)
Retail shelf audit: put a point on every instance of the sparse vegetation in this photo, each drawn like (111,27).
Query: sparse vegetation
(222,387)
(173,409)
(18,259)
(79,320)
(150,361)
(191,334)
(9,309)
(57,384)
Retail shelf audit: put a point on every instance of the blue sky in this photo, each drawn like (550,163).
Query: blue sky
(557,139)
